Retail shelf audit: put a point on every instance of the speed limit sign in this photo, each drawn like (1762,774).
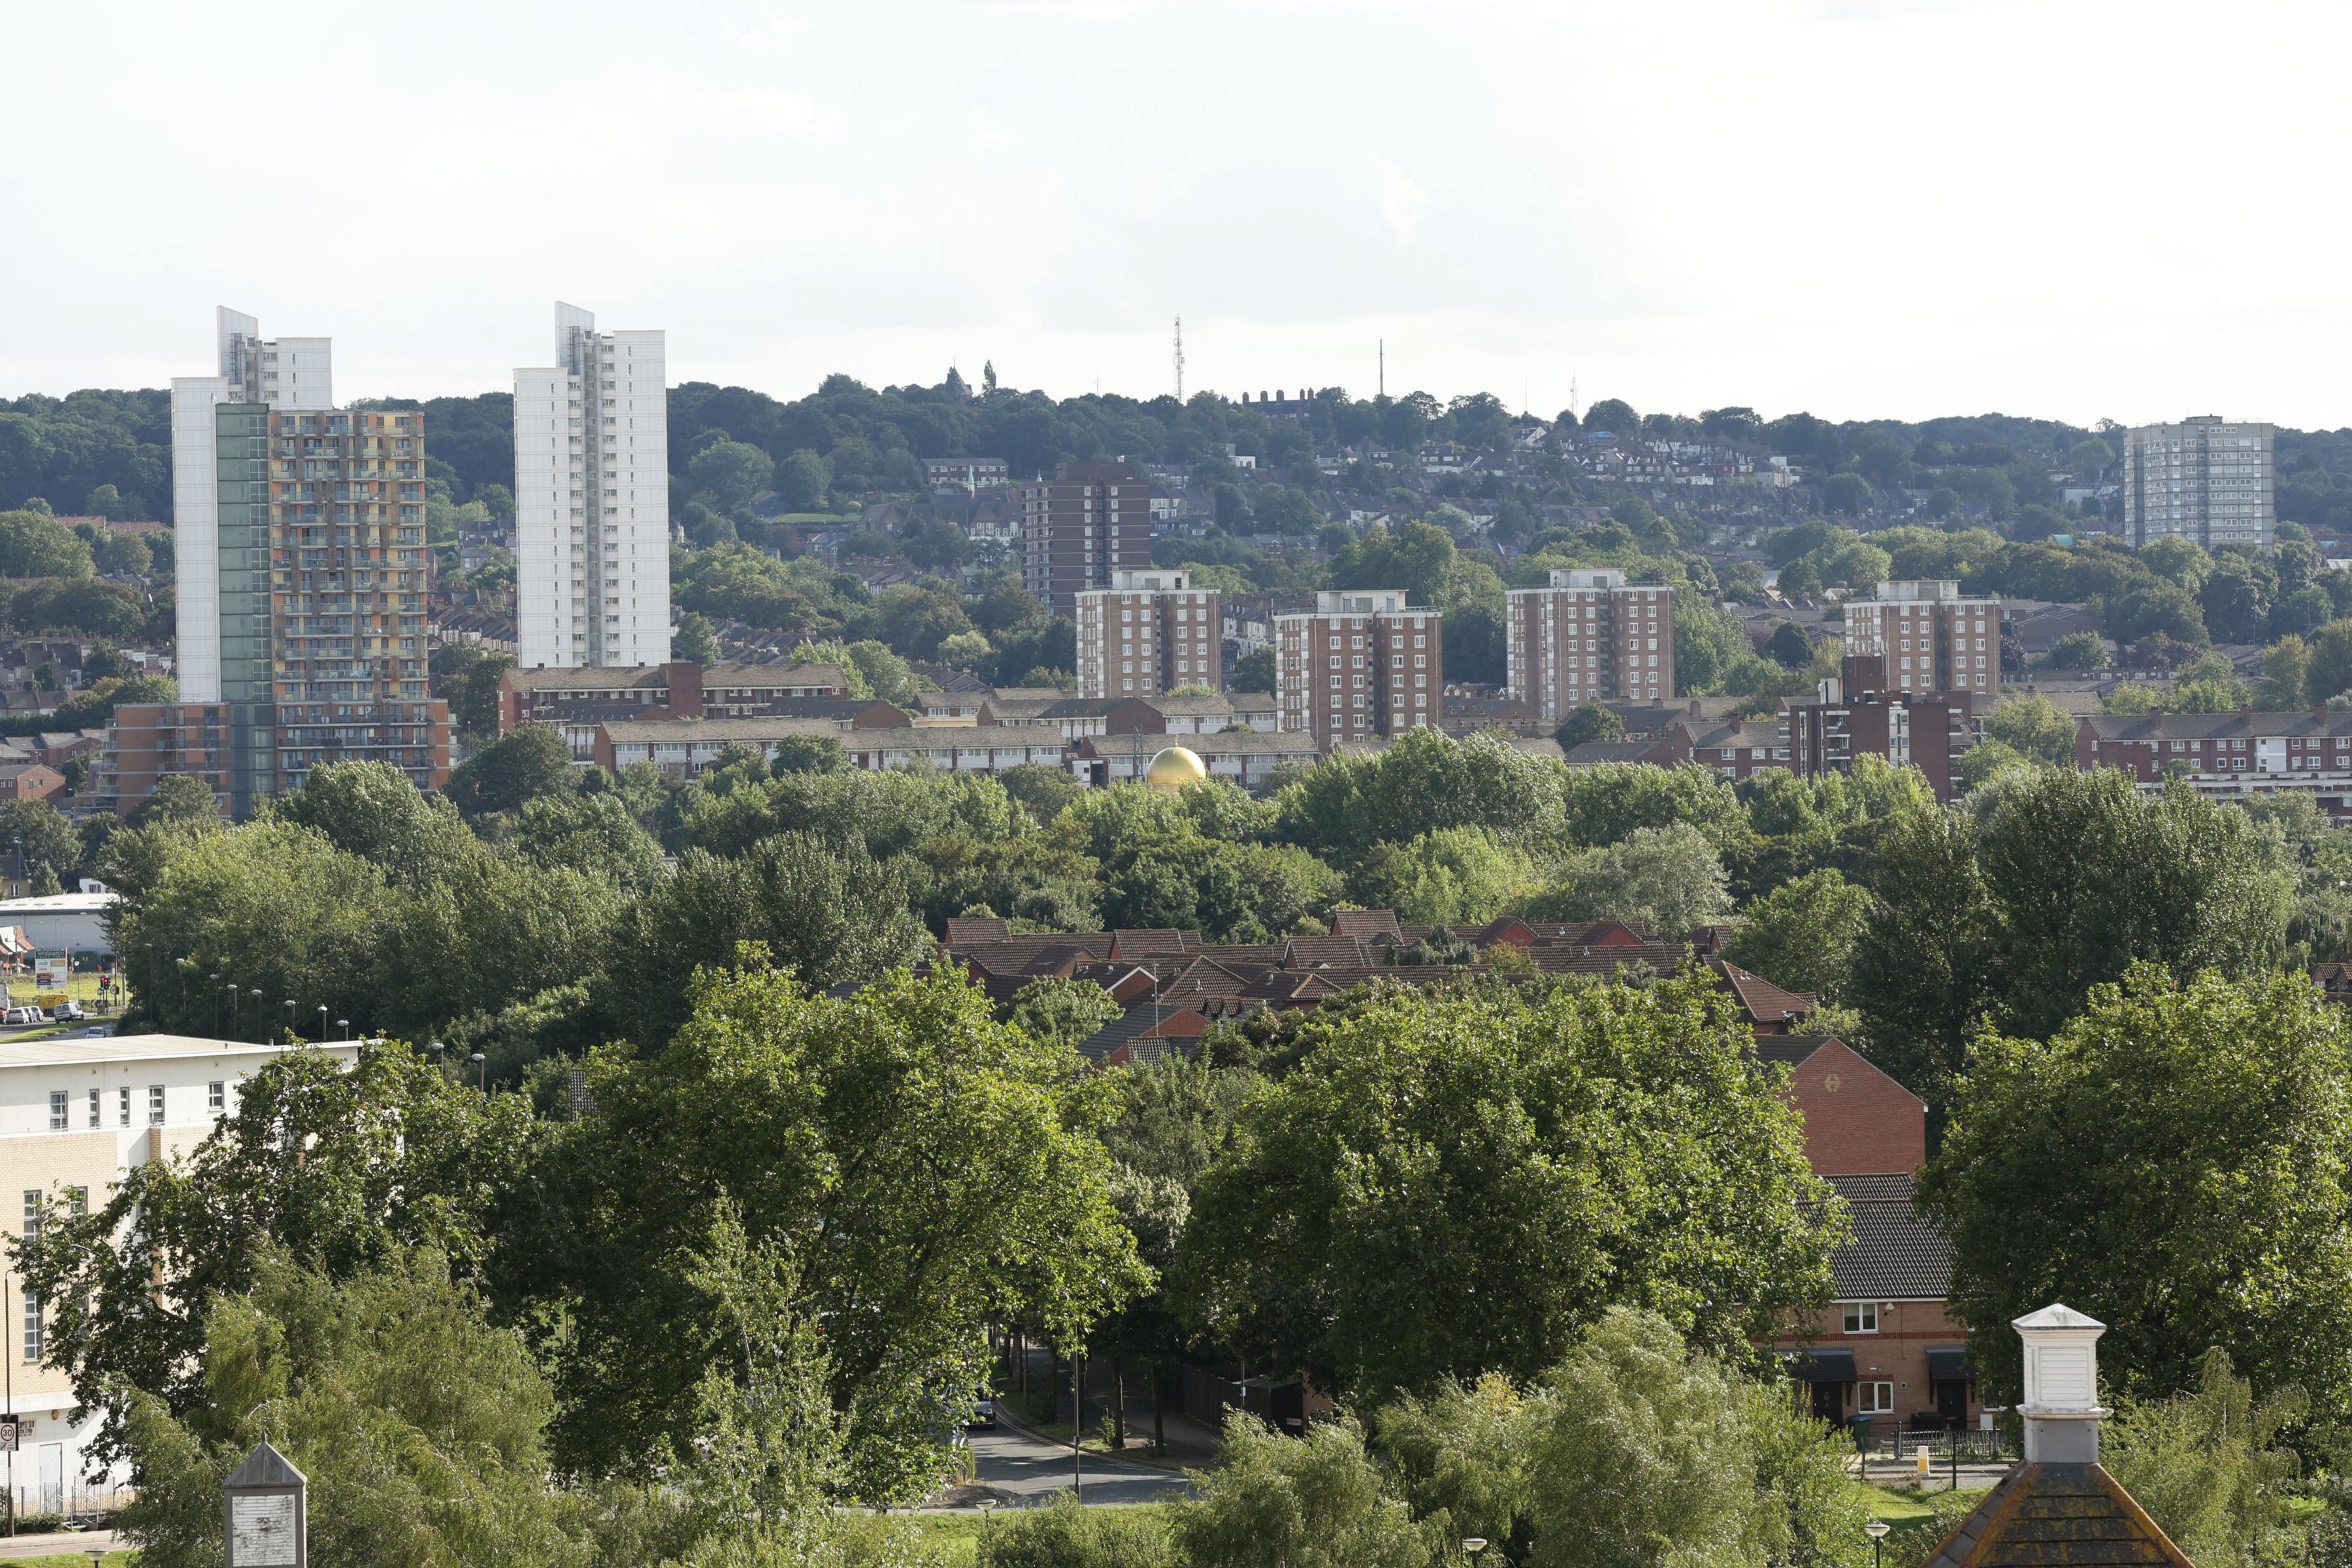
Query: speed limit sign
(7,1436)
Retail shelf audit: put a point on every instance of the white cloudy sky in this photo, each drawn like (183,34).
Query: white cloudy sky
(1862,207)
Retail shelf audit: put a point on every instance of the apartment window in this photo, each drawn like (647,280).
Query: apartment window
(154,1105)
(122,1097)
(77,1202)
(216,1097)
(1878,1398)
(57,1110)
(33,1213)
(1862,1317)
(94,1112)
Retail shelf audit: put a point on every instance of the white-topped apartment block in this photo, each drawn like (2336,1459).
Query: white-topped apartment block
(592,499)
(1587,636)
(1149,632)
(281,372)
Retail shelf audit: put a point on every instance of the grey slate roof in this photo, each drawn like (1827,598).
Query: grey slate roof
(1893,1255)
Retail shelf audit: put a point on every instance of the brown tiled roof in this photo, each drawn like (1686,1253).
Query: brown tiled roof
(1325,952)
(1763,1002)
(1153,944)
(965,930)
(1365,923)
(1562,958)
(2057,1516)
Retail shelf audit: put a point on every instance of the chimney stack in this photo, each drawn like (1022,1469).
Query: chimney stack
(2061,1407)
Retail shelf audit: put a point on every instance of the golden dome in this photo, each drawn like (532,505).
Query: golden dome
(1174,768)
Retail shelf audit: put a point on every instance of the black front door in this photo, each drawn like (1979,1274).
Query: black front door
(1829,1402)
(1952,1401)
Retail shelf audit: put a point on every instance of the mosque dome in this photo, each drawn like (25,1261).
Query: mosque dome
(1174,768)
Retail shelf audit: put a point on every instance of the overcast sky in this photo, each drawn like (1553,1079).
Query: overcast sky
(1868,208)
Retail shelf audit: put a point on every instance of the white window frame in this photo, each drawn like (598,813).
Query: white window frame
(1872,1397)
(1860,1317)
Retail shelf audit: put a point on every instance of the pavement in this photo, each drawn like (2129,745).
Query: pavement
(63,1543)
(1016,1466)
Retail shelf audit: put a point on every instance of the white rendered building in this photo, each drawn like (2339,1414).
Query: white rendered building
(592,500)
(2205,479)
(283,372)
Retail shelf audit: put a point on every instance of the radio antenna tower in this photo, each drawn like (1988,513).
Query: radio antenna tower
(1572,407)
(1384,367)
(1179,359)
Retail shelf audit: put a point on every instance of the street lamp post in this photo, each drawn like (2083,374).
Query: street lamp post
(1472,1545)
(290,1005)
(1876,1530)
(322,1023)
(260,1025)
(216,1019)
(344,1028)
(440,1057)
(486,1070)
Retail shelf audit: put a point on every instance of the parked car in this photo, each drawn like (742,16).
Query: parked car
(24,1015)
(983,1414)
(67,1012)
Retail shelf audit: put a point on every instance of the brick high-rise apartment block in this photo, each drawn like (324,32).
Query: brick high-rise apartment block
(2203,479)
(592,500)
(1090,521)
(1588,637)
(1360,664)
(1149,632)
(1933,639)
(302,577)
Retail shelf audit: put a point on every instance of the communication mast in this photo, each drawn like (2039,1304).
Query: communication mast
(1179,359)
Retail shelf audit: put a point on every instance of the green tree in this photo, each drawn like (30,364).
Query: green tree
(827,911)
(2032,726)
(1326,1238)
(1802,934)
(176,797)
(1666,882)
(2079,650)
(1922,967)
(2169,1160)
(929,1170)
(41,832)
(731,472)
(1344,805)
(1062,1011)
(2203,1465)
(343,1167)
(1589,721)
(420,1426)
(1604,804)
(1456,876)
(2286,674)
(2331,661)
(1788,647)
(34,544)
(1042,790)
(694,642)
(1253,672)
(808,754)
(2087,874)
(526,763)
(802,480)
(1277,1502)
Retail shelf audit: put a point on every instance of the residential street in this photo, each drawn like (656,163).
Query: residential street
(1026,1472)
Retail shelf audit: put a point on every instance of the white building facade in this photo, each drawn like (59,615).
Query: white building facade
(279,372)
(2205,479)
(75,1116)
(592,499)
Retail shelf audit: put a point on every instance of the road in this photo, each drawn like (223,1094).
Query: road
(1031,1470)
